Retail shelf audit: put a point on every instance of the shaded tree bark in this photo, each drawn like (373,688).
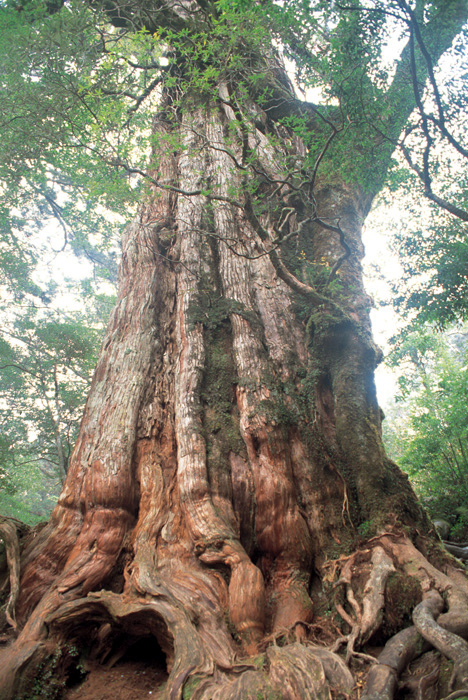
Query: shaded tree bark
(229,471)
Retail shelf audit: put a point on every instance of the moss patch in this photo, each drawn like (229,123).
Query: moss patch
(48,680)
(220,421)
(190,686)
(402,594)
(445,675)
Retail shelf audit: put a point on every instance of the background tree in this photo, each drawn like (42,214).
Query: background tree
(433,288)
(439,119)
(424,429)
(229,469)
(47,354)
(45,376)
(428,422)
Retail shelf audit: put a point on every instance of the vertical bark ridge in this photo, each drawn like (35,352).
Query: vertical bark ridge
(320,488)
(281,533)
(284,338)
(159,518)
(347,356)
(97,504)
(213,533)
(203,522)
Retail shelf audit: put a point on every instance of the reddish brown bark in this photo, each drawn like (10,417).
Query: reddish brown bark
(230,446)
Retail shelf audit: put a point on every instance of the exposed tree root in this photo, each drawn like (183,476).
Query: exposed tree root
(451,645)
(458,550)
(108,623)
(399,651)
(367,616)
(374,593)
(9,536)
(457,694)
(427,683)
(365,605)
(182,609)
(406,645)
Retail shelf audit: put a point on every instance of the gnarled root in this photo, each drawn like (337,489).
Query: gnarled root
(451,645)
(382,680)
(445,634)
(408,644)
(108,622)
(184,609)
(458,550)
(295,671)
(456,695)
(368,615)
(374,593)
(12,549)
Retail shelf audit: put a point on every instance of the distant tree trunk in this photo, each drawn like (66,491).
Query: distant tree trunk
(229,476)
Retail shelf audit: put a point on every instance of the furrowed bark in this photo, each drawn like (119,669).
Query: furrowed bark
(9,536)
(230,454)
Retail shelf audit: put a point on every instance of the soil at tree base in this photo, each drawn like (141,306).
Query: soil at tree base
(127,680)
(130,680)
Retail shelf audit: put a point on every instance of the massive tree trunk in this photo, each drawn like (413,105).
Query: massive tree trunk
(229,481)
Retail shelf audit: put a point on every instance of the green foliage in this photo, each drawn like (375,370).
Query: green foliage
(7,485)
(62,123)
(46,364)
(428,432)
(49,338)
(366,528)
(79,95)
(434,259)
(50,678)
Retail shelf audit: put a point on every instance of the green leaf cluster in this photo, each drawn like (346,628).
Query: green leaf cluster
(434,259)
(427,429)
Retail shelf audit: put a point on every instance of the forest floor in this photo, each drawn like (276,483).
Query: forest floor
(139,675)
(137,680)
(130,680)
